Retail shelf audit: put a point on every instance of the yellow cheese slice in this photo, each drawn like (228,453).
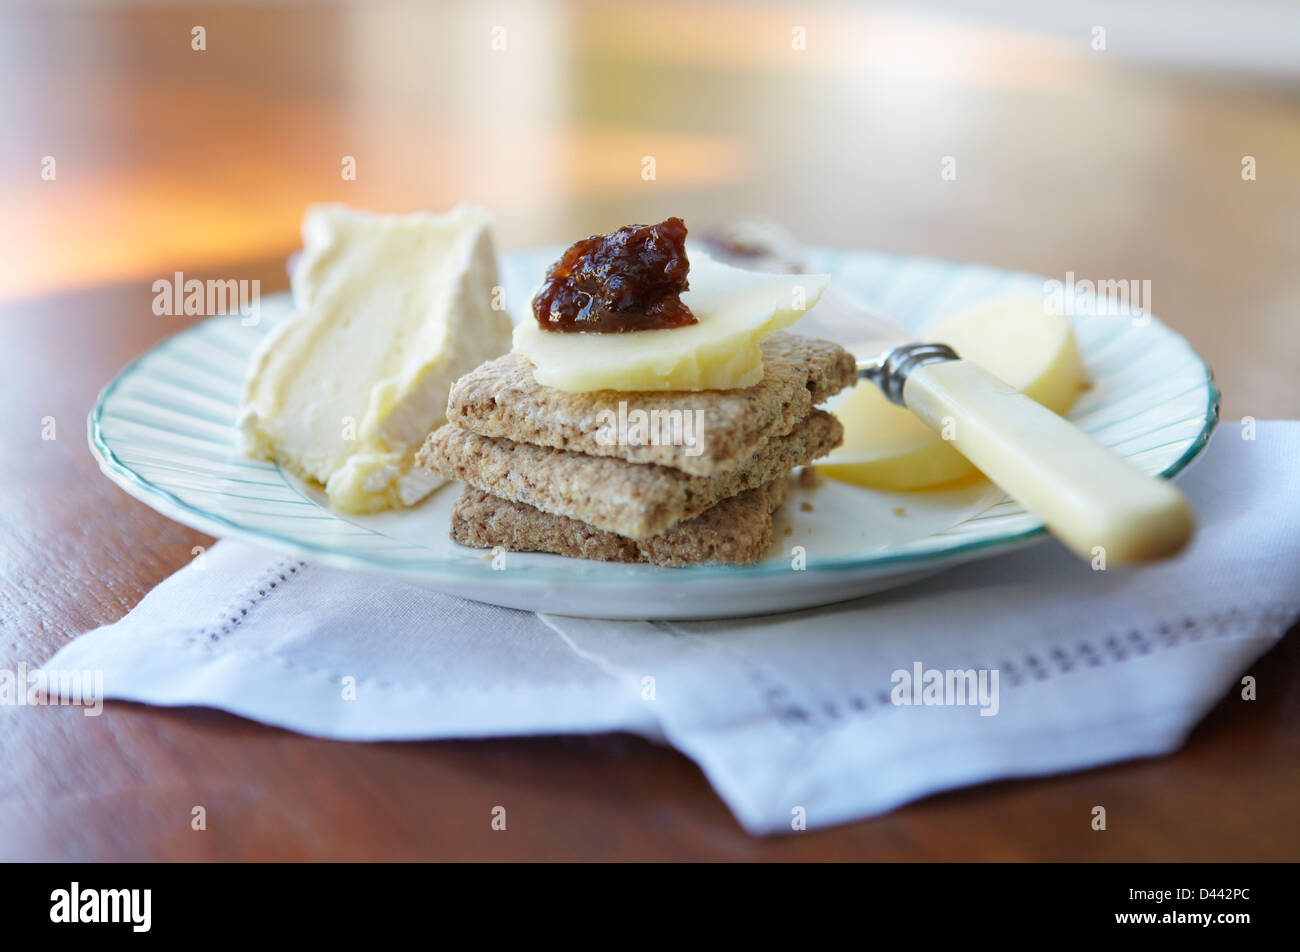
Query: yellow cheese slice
(736,309)
(1014,338)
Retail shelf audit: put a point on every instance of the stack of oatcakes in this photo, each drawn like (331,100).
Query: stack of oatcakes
(552,471)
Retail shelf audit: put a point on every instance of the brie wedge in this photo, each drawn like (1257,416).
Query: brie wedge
(390,310)
(735,310)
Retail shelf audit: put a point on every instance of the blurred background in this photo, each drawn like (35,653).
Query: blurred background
(1111,139)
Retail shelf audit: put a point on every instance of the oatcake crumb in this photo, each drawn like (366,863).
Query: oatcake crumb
(737,530)
(809,478)
(635,500)
(501,398)
(806,506)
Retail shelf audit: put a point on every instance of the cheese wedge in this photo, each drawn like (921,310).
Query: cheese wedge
(735,309)
(1015,338)
(391,310)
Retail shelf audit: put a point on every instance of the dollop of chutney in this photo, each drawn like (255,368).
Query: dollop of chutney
(629,280)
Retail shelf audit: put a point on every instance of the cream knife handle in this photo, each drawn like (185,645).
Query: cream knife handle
(1086,494)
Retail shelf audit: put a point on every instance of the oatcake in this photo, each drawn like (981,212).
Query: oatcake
(738,529)
(501,399)
(637,500)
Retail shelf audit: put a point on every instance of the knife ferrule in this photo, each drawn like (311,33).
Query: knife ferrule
(889,371)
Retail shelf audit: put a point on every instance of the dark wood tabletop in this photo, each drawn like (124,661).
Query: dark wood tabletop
(173,159)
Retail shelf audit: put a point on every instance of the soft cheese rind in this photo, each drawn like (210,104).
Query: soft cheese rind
(392,309)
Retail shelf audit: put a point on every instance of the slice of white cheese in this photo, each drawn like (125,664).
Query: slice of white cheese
(391,310)
(1014,338)
(735,309)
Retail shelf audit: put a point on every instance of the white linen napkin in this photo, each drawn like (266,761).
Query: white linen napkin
(793,717)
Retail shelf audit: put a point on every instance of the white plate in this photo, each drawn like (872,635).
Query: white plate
(163,430)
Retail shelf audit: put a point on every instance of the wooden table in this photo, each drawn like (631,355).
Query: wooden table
(169,159)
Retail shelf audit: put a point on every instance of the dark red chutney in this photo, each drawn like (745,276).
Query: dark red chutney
(628,280)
